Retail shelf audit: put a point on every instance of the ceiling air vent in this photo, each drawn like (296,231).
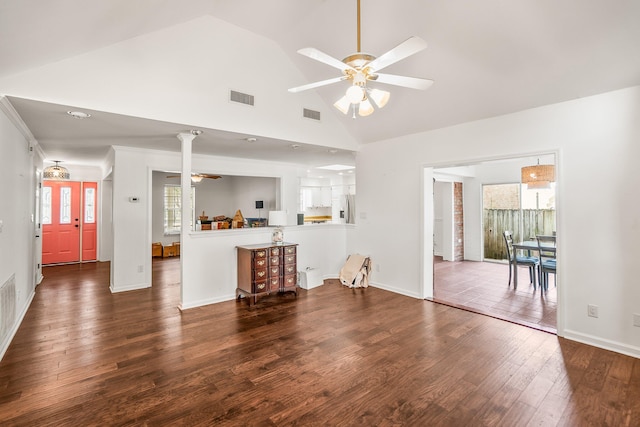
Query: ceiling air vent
(240,97)
(311,114)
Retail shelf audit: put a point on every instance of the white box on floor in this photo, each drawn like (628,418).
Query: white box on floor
(310,278)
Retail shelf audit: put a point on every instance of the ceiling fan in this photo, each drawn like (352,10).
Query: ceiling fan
(197,177)
(360,68)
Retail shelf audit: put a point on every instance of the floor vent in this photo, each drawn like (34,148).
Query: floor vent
(311,114)
(7,307)
(240,97)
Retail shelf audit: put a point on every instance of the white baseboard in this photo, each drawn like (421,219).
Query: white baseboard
(618,347)
(394,290)
(193,304)
(5,345)
(129,288)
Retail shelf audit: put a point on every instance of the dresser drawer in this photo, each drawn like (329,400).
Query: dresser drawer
(288,250)
(259,263)
(289,269)
(290,259)
(260,286)
(274,271)
(260,274)
(260,253)
(274,260)
(274,283)
(290,281)
(274,252)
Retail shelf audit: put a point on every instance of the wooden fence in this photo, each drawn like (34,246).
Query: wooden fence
(534,222)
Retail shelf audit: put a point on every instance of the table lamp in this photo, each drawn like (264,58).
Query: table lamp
(277,219)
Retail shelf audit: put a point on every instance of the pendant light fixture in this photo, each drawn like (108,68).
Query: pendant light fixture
(56,171)
(538,176)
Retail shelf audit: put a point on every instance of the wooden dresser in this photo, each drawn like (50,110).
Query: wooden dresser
(265,269)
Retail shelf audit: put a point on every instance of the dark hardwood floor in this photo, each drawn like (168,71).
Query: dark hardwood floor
(482,287)
(331,356)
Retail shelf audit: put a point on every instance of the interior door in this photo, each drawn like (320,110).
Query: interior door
(60,222)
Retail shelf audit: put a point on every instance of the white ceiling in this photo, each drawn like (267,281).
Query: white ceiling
(487,58)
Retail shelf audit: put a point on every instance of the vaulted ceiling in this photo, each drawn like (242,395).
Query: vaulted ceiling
(487,58)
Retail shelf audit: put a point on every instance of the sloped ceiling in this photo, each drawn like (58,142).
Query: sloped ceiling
(487,58)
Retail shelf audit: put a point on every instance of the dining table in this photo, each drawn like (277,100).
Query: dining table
(528,245)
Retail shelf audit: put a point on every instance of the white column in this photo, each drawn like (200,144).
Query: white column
(186,139)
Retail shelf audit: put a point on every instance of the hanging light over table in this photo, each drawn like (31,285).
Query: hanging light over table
(538,176)
(56,172)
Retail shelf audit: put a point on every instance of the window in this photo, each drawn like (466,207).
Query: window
(89,205)
(173,208)
(46,205)
(65,205)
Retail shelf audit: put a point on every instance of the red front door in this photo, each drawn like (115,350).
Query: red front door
(66,210)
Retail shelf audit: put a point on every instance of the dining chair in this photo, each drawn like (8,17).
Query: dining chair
(525,260)
(547,260)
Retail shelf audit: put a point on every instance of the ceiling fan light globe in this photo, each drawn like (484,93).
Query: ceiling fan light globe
(365,108)
(343,105)
(354,94)
(379,97)
(196,178)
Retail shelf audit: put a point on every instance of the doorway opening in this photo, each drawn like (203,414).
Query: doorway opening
(494,200)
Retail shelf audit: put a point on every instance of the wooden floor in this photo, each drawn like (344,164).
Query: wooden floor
(482,287)
(332,357)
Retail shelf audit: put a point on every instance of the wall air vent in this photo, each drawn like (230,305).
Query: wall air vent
(311,114)
(240,97)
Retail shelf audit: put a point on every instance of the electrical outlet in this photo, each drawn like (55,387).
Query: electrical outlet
(636,319)
(592,310)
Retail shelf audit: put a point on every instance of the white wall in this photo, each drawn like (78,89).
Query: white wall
(247,189)
(596,139)
(18,255)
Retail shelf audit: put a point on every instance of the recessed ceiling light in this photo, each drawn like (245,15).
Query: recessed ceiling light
(196,132)
(335,167)
(295,146)
(79,114)
(333,151)
(252,139)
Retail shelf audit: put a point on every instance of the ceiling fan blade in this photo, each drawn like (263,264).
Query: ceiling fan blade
(406,48)
(410,82)
(317,84)
(319,55)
